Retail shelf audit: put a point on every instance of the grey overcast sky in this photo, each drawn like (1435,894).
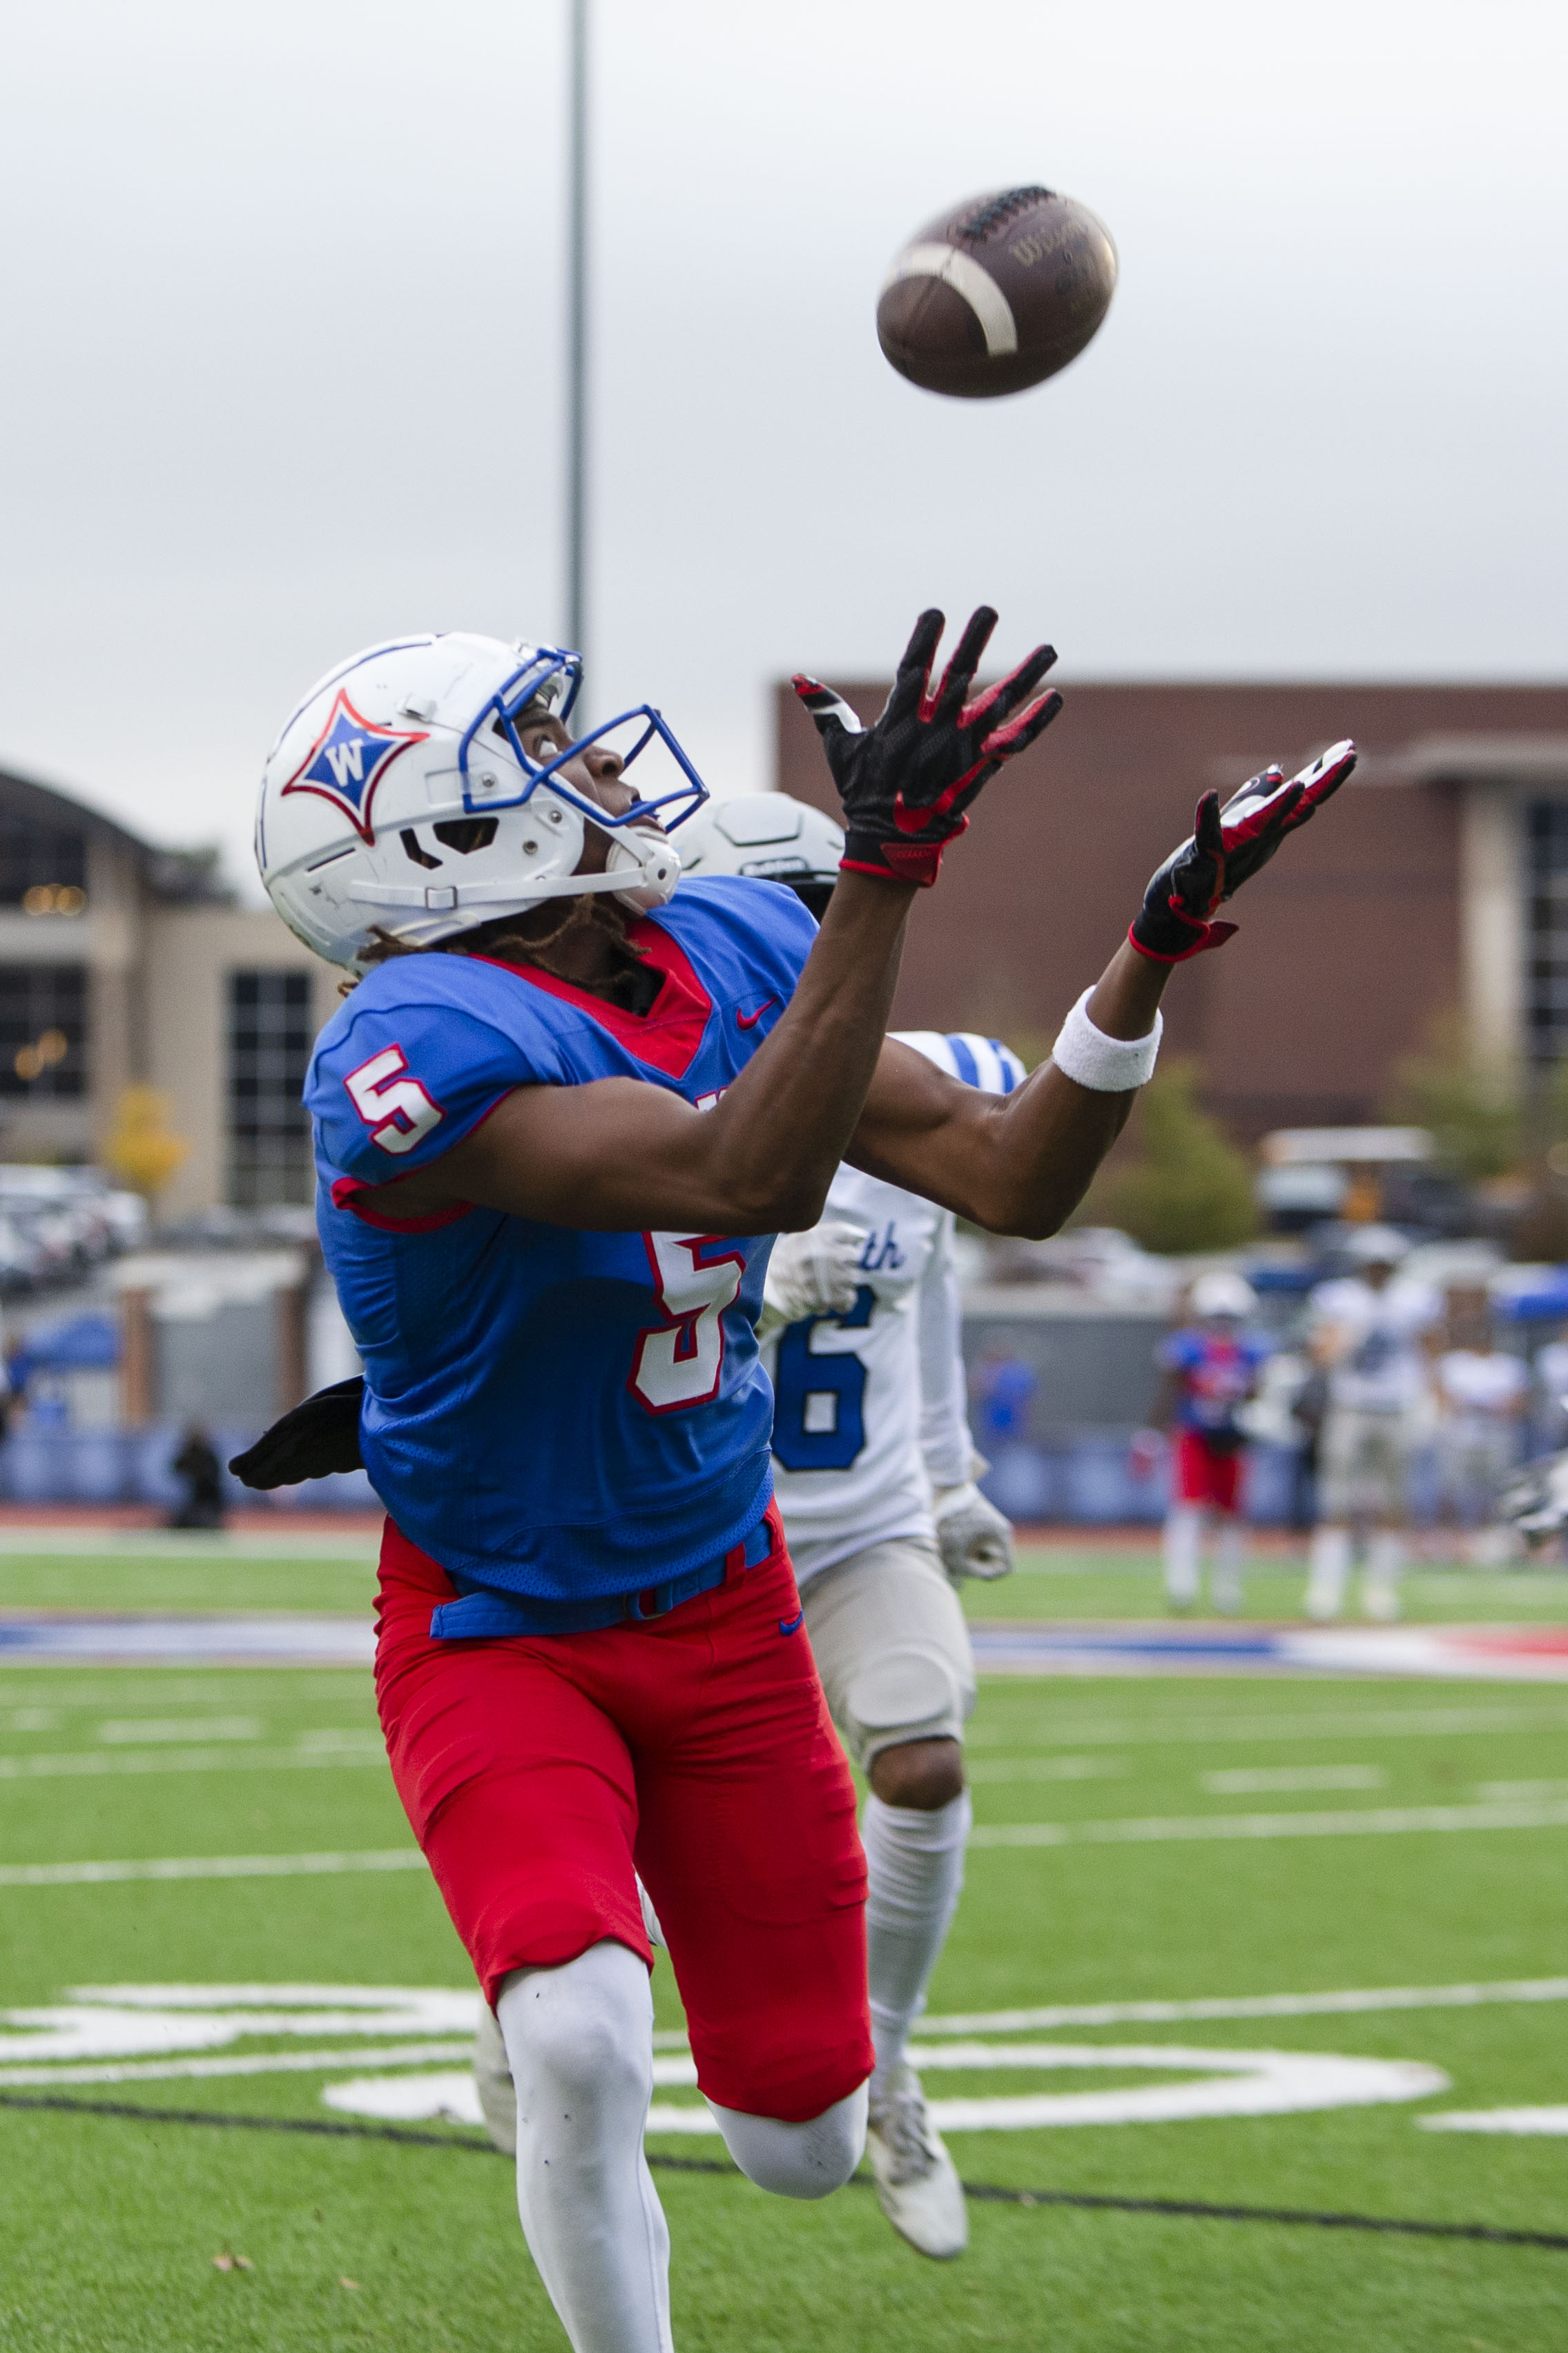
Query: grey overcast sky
(282,306)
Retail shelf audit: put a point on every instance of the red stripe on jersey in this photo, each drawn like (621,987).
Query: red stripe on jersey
(668,1036)
(346,1192)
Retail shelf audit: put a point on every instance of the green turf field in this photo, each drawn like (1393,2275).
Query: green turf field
(114,2220)
(138,1571)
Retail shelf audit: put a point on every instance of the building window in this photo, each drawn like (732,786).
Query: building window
(1546,969)
(270,1033)
(43,1032)
(43,868)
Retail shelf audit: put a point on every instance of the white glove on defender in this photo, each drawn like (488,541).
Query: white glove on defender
(814,1274)
(975,1538)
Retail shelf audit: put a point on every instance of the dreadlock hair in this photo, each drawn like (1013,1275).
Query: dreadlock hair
(631,985)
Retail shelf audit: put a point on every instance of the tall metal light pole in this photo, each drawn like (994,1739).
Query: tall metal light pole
(577,332)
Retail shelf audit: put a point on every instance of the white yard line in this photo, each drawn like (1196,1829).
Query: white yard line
(1384,1724)
(1521,2121)
(1352,2003)
(270,2062)
(1373,1821)
(209,1866)
(95,1763)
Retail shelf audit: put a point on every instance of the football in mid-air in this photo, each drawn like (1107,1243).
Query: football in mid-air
(997,293)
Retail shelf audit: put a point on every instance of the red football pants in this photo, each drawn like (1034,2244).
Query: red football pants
(1208,1474)
(539,1773)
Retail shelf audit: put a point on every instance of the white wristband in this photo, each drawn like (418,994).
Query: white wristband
(1111,1066)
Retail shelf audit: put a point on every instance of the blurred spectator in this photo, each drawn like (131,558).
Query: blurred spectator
(1004,1390)
(1483,1394)
(197,1464)
(1368,1334)
(1002,1387)
(1212,1368)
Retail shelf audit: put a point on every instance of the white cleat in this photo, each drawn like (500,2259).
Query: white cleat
(917,2182)
(1380,1597)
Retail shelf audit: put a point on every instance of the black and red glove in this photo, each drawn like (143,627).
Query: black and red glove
(1226,848)
(313,1442)
(906,782)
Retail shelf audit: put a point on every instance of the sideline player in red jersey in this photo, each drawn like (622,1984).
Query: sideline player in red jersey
(551,1156)
(1211,1368)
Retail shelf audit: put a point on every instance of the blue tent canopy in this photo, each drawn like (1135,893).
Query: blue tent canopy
(85,1343)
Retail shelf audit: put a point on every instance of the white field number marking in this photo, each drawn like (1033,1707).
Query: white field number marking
(679,1363)
(395,1108)
(119,2033)
(1228,2084)
(128,2033)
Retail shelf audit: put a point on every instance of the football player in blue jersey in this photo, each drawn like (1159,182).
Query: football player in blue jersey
(557,1123)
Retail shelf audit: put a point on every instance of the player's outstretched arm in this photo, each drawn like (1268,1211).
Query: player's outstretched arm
(620,1156)
(1018,1164)
(1021,1164)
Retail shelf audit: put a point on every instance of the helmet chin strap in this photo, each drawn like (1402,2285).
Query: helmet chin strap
(657,870)
(641,870)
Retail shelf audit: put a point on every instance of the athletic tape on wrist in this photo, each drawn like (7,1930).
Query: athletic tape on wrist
(1110,1066)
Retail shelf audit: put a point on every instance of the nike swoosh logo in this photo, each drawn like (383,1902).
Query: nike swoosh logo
(793,1625)
(750,1020)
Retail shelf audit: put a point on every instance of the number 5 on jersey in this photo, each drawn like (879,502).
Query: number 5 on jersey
(678,1362)
(396,1110)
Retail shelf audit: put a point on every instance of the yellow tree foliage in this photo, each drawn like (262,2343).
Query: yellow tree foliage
(141,1148)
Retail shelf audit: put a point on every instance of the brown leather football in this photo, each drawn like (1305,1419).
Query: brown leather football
(997,293)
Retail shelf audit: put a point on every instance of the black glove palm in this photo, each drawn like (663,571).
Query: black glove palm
(318,1438)
(1227,847)
(906,782)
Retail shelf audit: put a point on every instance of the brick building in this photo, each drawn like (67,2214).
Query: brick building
(1438,883)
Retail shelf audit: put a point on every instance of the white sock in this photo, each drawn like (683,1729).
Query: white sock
(579,2040)
(1380,1585)
(806,2160)
(1184,1536)
(1230,1547)
(915,1870)
(1327,1572)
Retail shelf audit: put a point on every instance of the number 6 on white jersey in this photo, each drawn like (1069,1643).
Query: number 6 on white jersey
(396,1111)
(677,1362)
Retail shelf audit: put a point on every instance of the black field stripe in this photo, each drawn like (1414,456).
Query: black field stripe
(1189,2209)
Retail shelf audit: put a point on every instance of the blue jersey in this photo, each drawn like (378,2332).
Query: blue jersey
(550,1413)
(1215,1374)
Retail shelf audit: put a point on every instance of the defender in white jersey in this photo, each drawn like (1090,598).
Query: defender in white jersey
(874,1469)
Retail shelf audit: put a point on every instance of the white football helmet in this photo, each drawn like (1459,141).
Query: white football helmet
(768,834)
(1223,1292)
(399,796)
